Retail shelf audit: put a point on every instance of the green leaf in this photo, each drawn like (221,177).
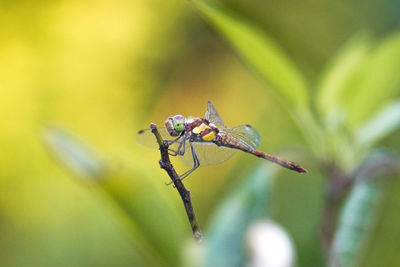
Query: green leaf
(379,82)
(385,122)
(145,204)
(356,222)
(338,77)
(247,202)
(133,209)
(258,51)
(140,212)
(73,154)
(383,245)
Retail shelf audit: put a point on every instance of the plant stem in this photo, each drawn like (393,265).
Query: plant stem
(337,185)
(166,164)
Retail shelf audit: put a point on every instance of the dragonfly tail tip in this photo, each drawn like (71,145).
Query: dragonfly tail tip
(301,170)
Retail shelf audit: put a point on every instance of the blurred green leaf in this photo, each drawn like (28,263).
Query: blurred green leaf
(356,221)
(145,205)
(383,245)
(139,201)
(247,202)
(385,122)
(258,51)
(379,82)
(337,78)
(266,57)
(73,154)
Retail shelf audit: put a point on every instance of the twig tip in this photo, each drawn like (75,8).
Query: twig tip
(198,236)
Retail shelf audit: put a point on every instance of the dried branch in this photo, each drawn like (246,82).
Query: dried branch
(166,164)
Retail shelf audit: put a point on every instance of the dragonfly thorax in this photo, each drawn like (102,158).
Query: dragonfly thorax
(202,130)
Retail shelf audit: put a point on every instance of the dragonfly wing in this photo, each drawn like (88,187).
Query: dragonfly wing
(207,153)
(147,138)
(245,134)
(212,115)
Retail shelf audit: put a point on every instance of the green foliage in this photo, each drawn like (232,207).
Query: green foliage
(356,222)
(356,83)
(259,52)
(267,59)
(379,81)
(73,154)
(79,159)
(340,74)
(385,122)
(248,201)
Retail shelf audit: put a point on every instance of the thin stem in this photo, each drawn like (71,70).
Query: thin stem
(166,164)
(337,185)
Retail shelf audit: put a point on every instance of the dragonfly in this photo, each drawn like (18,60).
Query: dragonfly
(207,141)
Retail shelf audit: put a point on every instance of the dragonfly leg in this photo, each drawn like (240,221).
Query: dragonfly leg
(196,163)
(195,166)
(172,152)
(180,150)
(181,143)
(170,142)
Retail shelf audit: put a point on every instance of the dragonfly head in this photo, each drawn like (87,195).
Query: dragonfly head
(175,125)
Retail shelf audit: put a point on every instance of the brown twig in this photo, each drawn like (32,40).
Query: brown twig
(166,164)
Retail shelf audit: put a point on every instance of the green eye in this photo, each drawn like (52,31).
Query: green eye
(179,123)
(178,126)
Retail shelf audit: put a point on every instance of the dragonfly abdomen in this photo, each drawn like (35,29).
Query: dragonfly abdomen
(225,140)
(280,161)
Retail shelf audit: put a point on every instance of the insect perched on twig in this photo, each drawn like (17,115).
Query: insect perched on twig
(207,141)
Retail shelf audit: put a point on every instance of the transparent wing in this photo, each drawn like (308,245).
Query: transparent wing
(147,138)
(212,115)
(207,153)
(244,134)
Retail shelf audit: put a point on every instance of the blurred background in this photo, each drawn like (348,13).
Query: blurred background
(87,75)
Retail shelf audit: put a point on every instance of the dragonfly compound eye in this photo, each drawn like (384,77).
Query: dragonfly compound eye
(169,125)
(175,125)
(179,123)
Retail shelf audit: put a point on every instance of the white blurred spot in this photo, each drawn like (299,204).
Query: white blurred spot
(269,245)
(193,253)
